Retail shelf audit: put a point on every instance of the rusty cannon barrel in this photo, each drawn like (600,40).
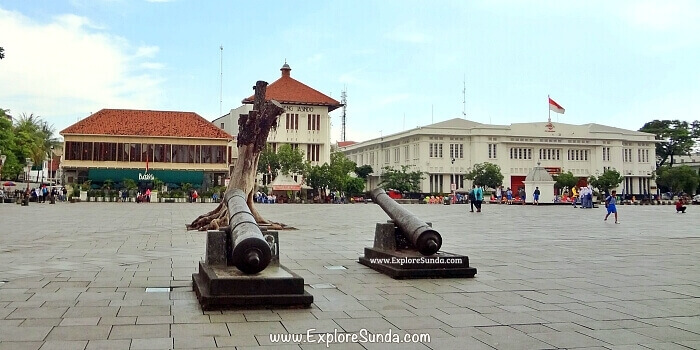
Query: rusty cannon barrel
(249,250)
(422,236)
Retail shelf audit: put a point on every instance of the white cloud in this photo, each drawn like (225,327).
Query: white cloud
(68,68)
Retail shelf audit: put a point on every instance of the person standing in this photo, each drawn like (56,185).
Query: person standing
(499,194)
(522,194)
(610,204)
(472,198)
(479,198)
(509,196)
(536,196)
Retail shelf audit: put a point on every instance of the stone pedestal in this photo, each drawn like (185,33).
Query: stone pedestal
(220,286)
(392,255)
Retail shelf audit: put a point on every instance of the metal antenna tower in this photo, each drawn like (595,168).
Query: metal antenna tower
(221,77)
(344,101)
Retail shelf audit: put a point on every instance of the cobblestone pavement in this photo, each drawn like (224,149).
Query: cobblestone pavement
(74,276)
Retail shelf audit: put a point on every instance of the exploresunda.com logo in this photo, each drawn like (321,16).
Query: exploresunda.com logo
(416,260)
(363,336)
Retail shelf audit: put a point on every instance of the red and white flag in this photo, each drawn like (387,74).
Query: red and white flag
(555,107)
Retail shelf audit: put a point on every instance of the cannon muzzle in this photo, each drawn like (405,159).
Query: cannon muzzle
(422,236)
(250,251)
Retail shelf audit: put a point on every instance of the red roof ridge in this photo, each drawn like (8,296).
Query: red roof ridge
(291,91)
(151,123)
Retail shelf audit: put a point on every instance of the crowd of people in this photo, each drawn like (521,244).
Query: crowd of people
(35,194)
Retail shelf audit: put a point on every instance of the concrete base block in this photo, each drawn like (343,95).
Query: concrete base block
(225,287)
(402,264)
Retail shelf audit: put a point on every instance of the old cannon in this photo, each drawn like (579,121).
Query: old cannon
(426,240)
(407,247)
(249,252)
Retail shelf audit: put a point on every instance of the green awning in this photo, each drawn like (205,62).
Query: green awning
(172,176)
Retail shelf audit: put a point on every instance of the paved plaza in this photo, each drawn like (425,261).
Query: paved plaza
(118,276)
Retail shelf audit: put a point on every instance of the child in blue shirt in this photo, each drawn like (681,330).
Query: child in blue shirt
(610,204)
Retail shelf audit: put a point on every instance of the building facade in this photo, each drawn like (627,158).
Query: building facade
(306,123)
(446,151)
(118,144)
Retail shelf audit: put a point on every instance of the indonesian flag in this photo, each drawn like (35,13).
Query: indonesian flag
(555,107)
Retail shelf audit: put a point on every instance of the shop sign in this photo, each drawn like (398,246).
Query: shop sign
(146,177)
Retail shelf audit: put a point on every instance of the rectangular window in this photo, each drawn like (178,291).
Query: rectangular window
(134,152)
(318,122)
(492,150)
(123,152)
(386,156)
(405,151)
(397,154)
(309,119)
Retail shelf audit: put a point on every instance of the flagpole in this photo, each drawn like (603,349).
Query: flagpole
(549,111)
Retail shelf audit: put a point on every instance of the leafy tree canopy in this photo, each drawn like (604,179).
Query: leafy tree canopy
(339,171)
(364,171)
(609,180)
(678,179)
(30,137)
(401,180)
(566,179)
(676,137)
(486,174)
(317,176)
(291,160)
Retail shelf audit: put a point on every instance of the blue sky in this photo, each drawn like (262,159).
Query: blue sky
(403,63)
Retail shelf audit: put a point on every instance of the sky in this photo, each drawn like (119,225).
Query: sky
(403,63)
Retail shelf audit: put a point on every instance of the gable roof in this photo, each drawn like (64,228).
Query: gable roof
(132,122)
(456,123)
(288,90)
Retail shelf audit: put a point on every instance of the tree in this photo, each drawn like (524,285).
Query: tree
(486,174)
(354,185)
(609,180)
(291,160)
(676,137)
(566,179)
(678,179)
(269,162)
(317,177)
(339,171)
(363,171)
(401,180)
(252,139)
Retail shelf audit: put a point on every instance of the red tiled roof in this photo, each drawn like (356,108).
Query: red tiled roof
(130,122)
(345,143)
(288,90)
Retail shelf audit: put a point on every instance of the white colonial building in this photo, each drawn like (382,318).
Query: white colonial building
(306,124)
(446,151)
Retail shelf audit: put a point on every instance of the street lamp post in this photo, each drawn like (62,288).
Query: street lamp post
(453,185)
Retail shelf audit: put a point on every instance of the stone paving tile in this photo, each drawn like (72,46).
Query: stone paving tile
(236,341)
(64,345)
(193,342)
(19,334)
(79,333)
(124,344)
(23,345)
(591,279)
(151,343)
(567,339)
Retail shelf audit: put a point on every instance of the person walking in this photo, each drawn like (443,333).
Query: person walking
(610,204)
(536,196)
(522,194)
(479,198)
(472,198)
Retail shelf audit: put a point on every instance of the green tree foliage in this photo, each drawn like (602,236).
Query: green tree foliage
(486,174)
(317,177)
(609,180)
(678,179)
(129,184)
(291,160)
(566,179)
(401,180)
(363,171)
(30,137)
(339,171)
(268,158)
(676,137)
(354,186)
